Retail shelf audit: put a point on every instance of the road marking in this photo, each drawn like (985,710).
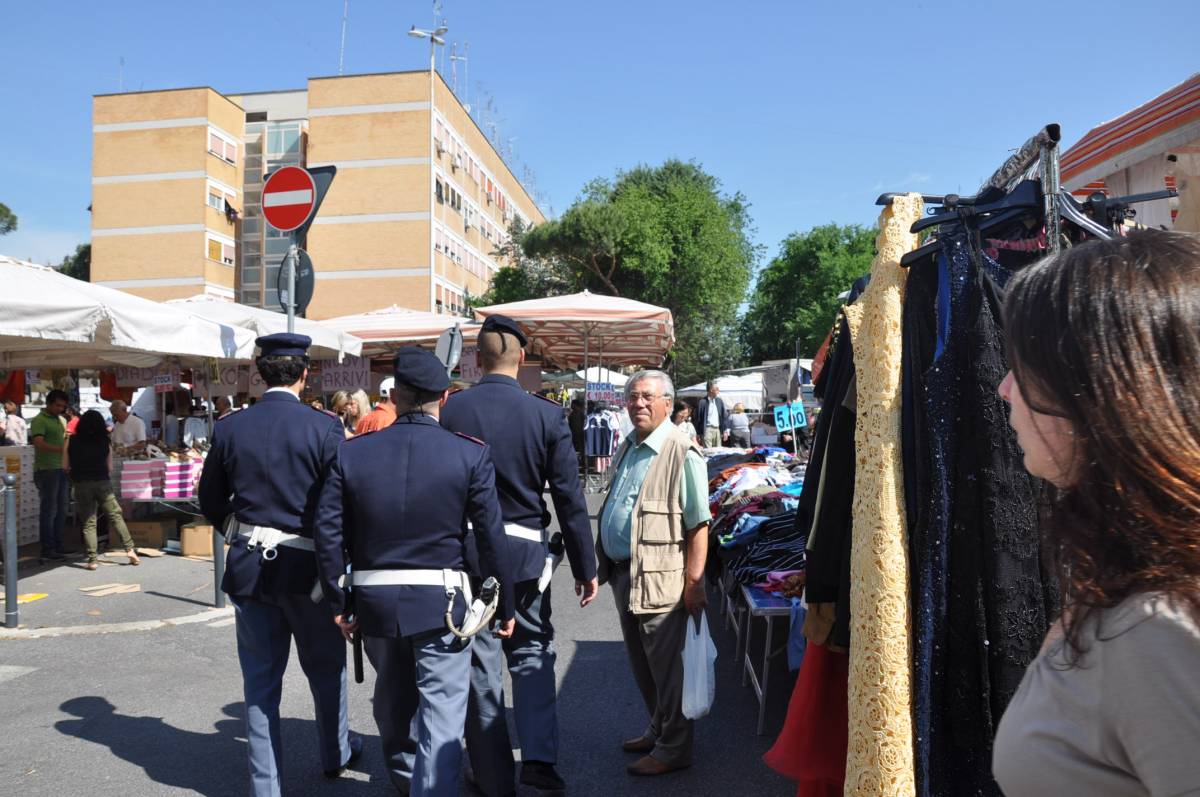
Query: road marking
(114,628)
(9,671)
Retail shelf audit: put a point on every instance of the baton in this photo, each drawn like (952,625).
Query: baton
(356,641)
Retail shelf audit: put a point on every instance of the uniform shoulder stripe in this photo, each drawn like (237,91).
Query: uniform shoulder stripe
(546,399)
(472,439)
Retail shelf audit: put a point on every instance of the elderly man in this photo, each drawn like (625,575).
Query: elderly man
(652,546)
(128,429)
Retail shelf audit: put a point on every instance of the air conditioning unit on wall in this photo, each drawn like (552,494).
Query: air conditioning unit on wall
(457,163)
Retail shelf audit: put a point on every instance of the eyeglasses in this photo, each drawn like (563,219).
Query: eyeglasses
(635,398)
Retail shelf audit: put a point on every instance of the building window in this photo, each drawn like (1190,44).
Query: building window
(216,200)
(222,147)
(220,250)
(439,192)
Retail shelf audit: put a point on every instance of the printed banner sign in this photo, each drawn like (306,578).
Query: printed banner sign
(601,391)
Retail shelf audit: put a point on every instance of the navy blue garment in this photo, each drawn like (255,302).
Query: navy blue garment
(266,466)
(531,447)
(398,499)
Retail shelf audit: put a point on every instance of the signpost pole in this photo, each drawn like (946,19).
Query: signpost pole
(290,265)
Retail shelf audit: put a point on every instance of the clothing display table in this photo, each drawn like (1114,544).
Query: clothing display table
(760,603)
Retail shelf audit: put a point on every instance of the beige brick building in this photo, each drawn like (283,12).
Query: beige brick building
(420,203)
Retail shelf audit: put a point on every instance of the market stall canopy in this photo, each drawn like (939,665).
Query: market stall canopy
(327,343)
(573,379)
(745,389)
(1165,123)
(391,327)
(50,320)
(587,327)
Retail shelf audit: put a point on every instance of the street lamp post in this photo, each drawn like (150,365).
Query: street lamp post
(436,37)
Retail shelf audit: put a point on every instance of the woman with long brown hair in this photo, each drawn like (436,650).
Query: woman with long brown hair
(1104,345)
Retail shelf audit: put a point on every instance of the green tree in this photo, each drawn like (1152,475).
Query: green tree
(666,235)
(8,220)
(78,265)
(525,276)
(795,299)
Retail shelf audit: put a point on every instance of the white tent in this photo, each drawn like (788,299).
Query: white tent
(746,389)
(598,374)
(387,329)
(327,343)
(50,320)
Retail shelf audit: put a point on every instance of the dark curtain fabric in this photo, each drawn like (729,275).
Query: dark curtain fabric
(982,601)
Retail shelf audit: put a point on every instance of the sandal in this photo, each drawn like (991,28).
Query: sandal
(133,557)
(91,565)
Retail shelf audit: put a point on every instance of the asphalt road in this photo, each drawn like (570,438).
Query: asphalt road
(150,712)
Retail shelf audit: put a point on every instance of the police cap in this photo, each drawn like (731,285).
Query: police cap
(502,323)
(283,344)
(420,369)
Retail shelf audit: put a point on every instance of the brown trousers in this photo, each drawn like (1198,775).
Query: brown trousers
(654,643)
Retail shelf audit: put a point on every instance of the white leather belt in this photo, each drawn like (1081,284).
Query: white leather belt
(449,579)
(269,539)
(520,532)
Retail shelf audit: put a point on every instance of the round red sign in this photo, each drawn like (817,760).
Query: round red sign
(288,198)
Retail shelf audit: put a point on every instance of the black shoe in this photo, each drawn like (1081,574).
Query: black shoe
(541,775)
(57,556)
(356,747)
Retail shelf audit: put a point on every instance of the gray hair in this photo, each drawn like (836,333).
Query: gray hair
(668,386)
(118,404)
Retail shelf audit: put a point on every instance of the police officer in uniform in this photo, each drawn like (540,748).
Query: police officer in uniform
(262,476)
(531,447)
(394,506)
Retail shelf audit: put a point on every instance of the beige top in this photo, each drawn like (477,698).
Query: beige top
(1124,721)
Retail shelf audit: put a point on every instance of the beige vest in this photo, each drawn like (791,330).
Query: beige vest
(656,571)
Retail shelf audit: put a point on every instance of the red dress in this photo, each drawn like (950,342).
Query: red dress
(811,748)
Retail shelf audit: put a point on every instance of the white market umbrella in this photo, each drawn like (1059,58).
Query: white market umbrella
(391,327)
(50,320)
(598,374)
(745,389)
(579,328)
(328,343)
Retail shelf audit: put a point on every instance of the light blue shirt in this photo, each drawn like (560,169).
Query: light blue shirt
(616,523)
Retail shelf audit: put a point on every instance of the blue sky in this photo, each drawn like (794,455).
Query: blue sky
(809,109)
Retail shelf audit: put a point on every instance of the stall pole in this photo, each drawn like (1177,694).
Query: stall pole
(218,567)
(10,551)
(290,265)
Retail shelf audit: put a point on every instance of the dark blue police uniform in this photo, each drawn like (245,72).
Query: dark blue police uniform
(394,507)
(531,447)
(265,469)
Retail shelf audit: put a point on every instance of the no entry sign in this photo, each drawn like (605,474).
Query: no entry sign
(288,198)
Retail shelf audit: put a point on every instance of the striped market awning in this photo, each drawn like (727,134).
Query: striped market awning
(1170,120)
(566,330)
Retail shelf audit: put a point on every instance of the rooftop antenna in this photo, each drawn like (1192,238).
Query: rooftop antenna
(454,59)
(342,52)
(454,68)
(121,75)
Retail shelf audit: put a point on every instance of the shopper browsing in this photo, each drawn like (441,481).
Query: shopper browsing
(88,461)
(1104,387)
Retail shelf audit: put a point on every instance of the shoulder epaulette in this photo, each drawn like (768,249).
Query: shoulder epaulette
(456,391)
(472,439)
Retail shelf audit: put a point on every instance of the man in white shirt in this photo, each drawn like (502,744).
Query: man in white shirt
(128,429)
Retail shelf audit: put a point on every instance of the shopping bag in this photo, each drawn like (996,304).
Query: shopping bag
(699,672)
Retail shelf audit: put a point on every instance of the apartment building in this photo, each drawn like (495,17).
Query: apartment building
(420,205)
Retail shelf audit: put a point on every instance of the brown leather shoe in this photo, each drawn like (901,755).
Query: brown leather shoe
(640,744)
(649,766)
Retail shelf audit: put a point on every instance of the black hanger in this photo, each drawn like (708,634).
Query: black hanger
(1027,194)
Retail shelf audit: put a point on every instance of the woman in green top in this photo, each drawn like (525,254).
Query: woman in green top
(88,460)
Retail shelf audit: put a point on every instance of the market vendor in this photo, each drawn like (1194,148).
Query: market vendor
(128,429)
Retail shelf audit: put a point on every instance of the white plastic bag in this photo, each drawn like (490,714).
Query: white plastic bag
(699,671)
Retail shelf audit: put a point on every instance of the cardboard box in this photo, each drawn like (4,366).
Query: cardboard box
(195,539)
(151,533)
